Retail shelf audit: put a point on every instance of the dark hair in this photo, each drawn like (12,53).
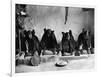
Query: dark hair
(70,32)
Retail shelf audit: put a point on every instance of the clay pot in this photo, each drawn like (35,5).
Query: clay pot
(35,60)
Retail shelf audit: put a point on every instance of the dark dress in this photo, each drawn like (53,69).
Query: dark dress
(23,40)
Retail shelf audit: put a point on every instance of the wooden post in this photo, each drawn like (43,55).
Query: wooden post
(19,41)
(66,14)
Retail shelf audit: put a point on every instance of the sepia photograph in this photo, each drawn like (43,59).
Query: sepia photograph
(53,38)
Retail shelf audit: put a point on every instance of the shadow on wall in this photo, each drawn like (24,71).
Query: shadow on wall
(53,17)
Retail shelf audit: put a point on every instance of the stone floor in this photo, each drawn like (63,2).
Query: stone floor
(48,64)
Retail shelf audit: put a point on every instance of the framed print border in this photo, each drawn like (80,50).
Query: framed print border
(13,25)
